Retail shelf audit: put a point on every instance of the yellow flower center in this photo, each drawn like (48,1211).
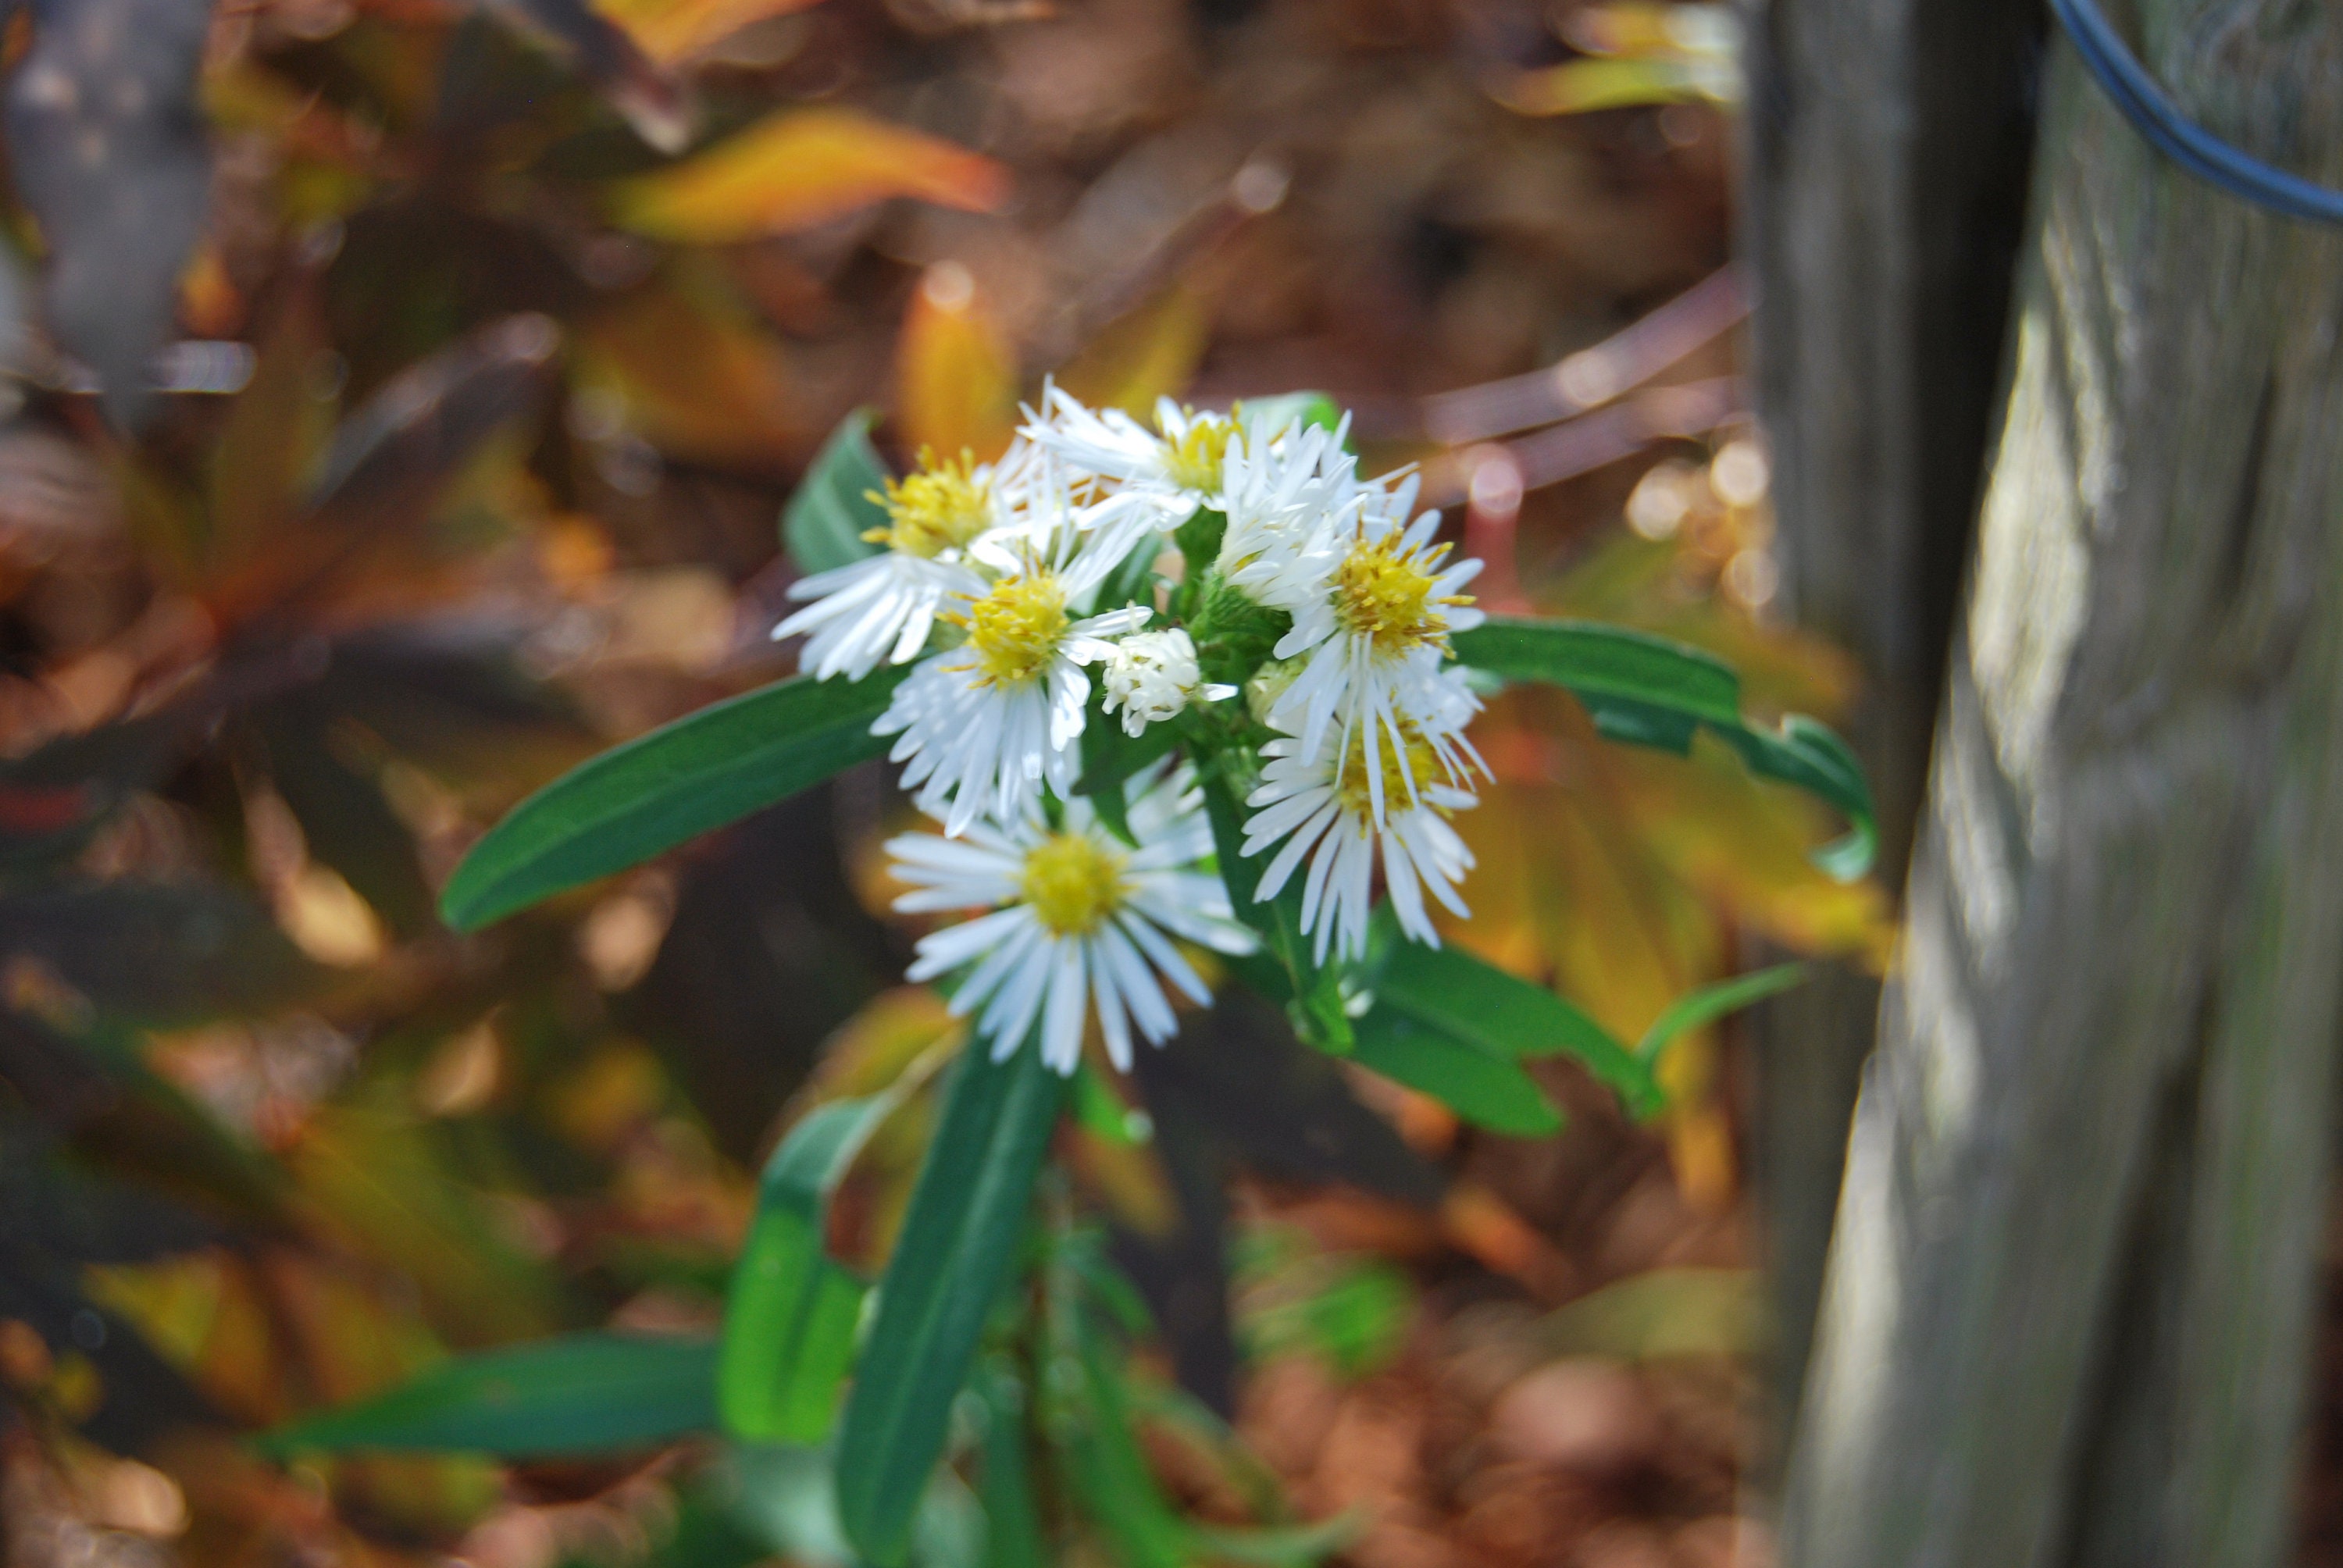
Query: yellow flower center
(936,508)
(1405,771)
(1383,591)
(1194,460)
(1015,629)
(1072,883)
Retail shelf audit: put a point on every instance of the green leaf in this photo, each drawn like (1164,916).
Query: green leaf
(1708,1003)
(1110,759)
(1184,1415)
(823,525)
(1233,634)
(577,1394)
(1312,996)
(345,819)
(1448,990)
(1809,754)
(1132,581)
(1666,1313)
(1606,661)
(1482,1086)
(958,1241)
(155,952)
(706,1533)
(1013,1519)
(788,1497)
(1647,690)
(1277,1545)
(1118,1488)
(1353,1312)
(791,1313)
(1099,1110)
(701,772)
(1199,539)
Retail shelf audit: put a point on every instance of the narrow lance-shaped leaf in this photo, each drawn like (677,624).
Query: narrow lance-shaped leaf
(1648,692)
(1277,1545)
(1583,87)
(674,31)
(577,1394)
(824,522)
(391,455)
(642,89)
(1144,353)
(1482,1085)
(1013,1519)
(701,772)
(157,952)
(959,1239)
(791,1312)
(1109,1473)
(1710,1002)
(1443,1021)
(955,370)
(1205,1433)
(799,168)
(1479,1085)
(346,821)
(1506,1017)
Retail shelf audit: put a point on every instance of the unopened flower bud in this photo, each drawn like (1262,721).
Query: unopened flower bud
(1268,683)
(1152,676)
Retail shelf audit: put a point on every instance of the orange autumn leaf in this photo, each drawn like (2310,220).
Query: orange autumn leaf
(670,31)
(1151,352)
(1583,87)
(955,372)
(799,168)
(694,375)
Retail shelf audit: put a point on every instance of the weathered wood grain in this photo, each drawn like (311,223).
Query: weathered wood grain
(2068,1302)
(1888,143)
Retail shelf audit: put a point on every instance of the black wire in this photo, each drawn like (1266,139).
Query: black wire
(2154,115)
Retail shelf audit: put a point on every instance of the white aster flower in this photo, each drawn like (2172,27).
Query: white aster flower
(985,724)
(1081,924)
(1371,636)
(884,606)
(1176,467)
(1054,503)
(1341,810)
(1285,501)
(1152,675)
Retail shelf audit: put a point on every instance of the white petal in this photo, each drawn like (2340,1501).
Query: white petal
(1113,1027)
(1003,963)
(1137,985)
(947,949)
(1010,1018)
(1406,898)
(1166,958)
(1061,1027)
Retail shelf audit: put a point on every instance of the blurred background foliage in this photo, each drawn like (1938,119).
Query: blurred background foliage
(456,365)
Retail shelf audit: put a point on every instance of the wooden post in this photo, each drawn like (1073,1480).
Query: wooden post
(2068,1302)
(1889,146)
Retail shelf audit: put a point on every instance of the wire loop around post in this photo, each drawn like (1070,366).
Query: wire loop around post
(2154,115)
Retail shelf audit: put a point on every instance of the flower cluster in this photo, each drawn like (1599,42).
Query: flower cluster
(1230,576)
